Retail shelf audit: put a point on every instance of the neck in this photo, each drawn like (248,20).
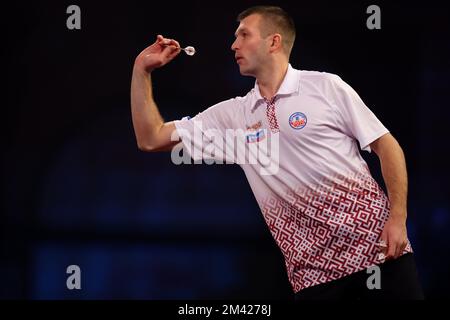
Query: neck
(269,81)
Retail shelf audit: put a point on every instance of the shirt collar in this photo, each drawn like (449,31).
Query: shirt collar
(289,85)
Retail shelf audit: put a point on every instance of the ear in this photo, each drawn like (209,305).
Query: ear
(277,42)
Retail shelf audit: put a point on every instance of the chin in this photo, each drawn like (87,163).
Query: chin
(245,72)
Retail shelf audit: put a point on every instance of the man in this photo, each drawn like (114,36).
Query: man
(329,217)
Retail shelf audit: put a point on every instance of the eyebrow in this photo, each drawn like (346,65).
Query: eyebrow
(243,29)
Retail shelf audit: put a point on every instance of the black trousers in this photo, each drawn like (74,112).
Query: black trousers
(398,279)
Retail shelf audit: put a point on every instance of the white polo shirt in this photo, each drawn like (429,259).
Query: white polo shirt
(317,196)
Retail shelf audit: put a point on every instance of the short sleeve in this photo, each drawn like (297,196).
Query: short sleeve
(353,116)
(203,136)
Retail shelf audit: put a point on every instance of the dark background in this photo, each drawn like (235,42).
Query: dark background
(76,190)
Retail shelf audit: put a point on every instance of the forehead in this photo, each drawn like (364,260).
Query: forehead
(249,23)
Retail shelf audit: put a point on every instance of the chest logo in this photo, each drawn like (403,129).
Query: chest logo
(297,120)
(255,126)
(256,136)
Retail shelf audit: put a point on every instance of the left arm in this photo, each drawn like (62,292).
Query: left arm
(393,167)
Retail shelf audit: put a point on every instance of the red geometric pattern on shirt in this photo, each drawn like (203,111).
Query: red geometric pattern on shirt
(271,115)
(331,231)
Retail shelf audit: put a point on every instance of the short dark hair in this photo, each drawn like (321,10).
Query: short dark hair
(275,20)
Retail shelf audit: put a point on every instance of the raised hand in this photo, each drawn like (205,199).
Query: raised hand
(158,54)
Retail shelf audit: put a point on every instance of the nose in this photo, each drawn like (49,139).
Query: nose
(234,46)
